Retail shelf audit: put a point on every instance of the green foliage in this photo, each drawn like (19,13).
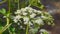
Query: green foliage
(3,11)
(36,3)
(48,18)
(1,27)
(45,33)
(6,14)
(12,30)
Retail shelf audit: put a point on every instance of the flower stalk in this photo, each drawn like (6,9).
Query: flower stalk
(7,21)
(18,4)
(27,28)
(8,14)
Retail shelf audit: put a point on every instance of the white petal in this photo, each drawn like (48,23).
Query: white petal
(21,27)
(18,12)
(39,21)
(15,20)
(30,23)
(39,11)
(18,23)
(32,15)
(24,13)
(25,22)
(26,19)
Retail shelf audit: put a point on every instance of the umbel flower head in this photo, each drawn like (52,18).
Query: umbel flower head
(32,16)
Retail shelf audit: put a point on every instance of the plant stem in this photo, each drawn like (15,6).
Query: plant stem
(27,28)
(7,21)
(9,6)
(4,28)
(8,14)
(18,4)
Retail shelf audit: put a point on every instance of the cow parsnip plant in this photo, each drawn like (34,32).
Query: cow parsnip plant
(26,20)
(31,19)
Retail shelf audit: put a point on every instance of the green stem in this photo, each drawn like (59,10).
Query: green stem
(27,28)
(4,28)
(9,6)
(8,14)
(7,21)
(18,4)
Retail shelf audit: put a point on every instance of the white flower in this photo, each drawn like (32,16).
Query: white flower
(41,33)
(43,30)
(4,16)
(25,22)
(32,15)
(35,11)
(23,9)
(16,19)
(18,12)
(39,21)
(21,27)
(24,13)
(28,8)
(39,12)
(43,17)
(18,23)
(26,19)
(30,11)
(30,23)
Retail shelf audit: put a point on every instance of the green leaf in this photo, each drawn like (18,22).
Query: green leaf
(12,29)
(36,3)
(3,11)
(45,32)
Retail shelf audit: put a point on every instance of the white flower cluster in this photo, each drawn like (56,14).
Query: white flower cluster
(43,31)
(29,16)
